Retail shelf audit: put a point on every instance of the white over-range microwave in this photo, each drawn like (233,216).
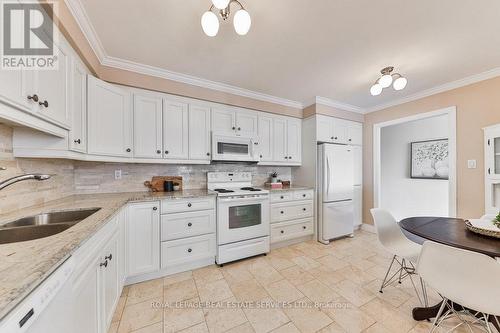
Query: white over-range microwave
(229,147)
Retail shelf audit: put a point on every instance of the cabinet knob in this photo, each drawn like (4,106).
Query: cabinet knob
(105,264)
(208,154)
(33,97)
(489,171)
(155,208)
(350,140)
(331,138)
(190,224)
(190,250)
(44,103)
(233,128)
(286,157)
(166,151)
(289,157)
(260,156)
(282,231)
(282,197)
(77,141)
(335,138)
(189,204)
(304,209)
(129,150)
(282,212)
(304,227)
(239,128)
(158,151)
(109,257)
(303,195)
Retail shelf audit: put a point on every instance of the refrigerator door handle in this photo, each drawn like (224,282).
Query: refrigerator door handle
(327,175)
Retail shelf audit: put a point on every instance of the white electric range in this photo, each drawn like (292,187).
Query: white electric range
(242,216)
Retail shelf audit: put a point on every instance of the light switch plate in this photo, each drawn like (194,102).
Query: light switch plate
(471,164)
(118,174)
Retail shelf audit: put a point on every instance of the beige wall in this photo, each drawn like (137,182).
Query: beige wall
(332,112)
(478,105)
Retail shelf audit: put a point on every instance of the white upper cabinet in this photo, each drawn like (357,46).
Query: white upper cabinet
(246,123)
(199,132)
(492,152)
(52,88)
(223,120)
(109,119)
(279,140)
(78,107)
(175,130)
(240,122)
(265,127)
(147,126)
(355,134)
(334,130)
(13,88)
(294,140)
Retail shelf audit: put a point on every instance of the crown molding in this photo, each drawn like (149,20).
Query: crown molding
(439,89)
(83,21)
(195,81)
(338,105)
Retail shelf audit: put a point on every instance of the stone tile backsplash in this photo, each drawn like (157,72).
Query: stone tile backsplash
(97,177)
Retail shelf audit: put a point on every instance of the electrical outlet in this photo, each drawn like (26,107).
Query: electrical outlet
(471,164)
(118,174)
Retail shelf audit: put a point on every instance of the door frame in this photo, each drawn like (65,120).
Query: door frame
(451,112)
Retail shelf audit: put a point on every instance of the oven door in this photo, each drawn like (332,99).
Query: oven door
(227,147)
(241,218)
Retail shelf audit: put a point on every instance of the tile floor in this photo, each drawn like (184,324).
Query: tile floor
(346,274)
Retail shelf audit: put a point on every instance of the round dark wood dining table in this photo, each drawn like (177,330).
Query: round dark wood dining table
(448,231)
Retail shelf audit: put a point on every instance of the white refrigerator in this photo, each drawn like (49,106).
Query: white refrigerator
(335,191)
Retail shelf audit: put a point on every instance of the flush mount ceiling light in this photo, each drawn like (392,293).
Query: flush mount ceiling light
(397,80)
(210,20)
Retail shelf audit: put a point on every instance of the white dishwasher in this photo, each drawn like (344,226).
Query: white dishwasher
(47,308)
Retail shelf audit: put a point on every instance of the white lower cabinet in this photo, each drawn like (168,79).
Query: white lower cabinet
(143,238)
(292,215)
(86,295)
(187,250)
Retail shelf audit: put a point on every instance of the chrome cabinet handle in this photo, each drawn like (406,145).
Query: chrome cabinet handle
(44,103)
(109,257)
(77,141)
(33,97)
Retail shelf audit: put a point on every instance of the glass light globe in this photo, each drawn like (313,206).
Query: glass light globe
(376,89)
(242,22)
(210,24)
(400,83)
(385,81)
(220,4)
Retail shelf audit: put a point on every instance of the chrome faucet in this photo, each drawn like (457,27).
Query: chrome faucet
(13,180)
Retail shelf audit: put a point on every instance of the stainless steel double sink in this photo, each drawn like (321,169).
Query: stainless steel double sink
(42,225)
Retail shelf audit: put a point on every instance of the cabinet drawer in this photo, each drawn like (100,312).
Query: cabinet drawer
(303,195)
(186,250)
(290,230)
(187,205)
(180,225)
(281,196)
(291,211)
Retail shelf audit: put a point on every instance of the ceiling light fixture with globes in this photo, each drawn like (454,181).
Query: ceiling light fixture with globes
(397,80)
(210,20)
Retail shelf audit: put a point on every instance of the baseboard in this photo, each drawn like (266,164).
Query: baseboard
(368,228)
(291,242)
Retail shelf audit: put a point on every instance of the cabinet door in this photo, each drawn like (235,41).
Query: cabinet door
(223,120)
(279,140)
(175,130)
(355,133)
(110,280)
(78,105)
(493,156)
(339,130)
(294,141)
(358,165)
(324,128)
(109,119)
(86,296)
(266,138)
(52,87)
(246,123)
(143,238)
(147,126)
(199,133)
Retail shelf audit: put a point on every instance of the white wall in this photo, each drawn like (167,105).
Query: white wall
(400,194)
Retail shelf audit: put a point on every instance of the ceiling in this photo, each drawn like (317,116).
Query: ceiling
(299,49)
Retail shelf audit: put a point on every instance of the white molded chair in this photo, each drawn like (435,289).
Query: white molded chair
(464,277)
(405,252)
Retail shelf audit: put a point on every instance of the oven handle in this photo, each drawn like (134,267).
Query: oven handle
(259,198)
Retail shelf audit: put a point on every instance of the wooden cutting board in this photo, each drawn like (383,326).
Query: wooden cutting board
(156,183)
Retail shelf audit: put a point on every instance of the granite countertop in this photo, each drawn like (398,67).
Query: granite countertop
(24,265)
(290,188)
